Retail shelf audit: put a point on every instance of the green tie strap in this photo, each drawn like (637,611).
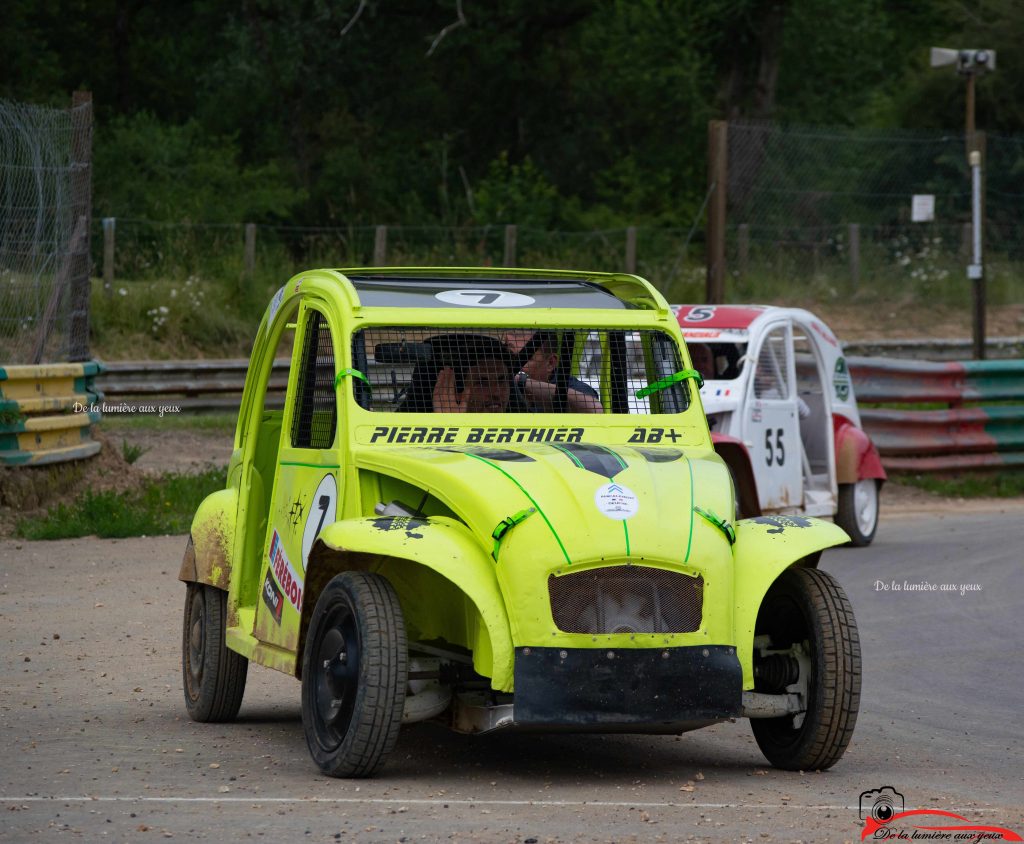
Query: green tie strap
(669,380)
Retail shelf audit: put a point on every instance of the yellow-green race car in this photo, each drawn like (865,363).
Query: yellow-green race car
(491,499)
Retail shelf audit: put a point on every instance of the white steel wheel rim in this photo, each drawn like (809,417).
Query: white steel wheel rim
(865,505)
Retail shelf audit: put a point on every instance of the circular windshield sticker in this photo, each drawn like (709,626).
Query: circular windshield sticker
(616,501)
(322,512)
(485,298)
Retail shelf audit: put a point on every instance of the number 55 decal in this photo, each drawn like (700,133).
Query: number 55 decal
(776,454)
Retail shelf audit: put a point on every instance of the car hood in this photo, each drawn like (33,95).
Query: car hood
(570,502)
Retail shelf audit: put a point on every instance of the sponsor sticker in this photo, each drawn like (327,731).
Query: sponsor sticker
(291,582)
(841,380)
(616,501)
(275,303)
(272,597)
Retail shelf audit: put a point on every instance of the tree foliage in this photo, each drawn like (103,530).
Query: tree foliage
(576,113)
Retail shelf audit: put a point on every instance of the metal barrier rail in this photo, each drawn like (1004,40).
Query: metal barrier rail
(943,439)
(955,437)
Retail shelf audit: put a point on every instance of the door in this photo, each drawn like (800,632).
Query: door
(771,431)
(815,419)
(305,497)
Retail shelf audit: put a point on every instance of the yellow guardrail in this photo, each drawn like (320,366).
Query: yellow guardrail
(38,424)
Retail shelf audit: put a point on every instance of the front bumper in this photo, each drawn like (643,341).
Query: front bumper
(646,690)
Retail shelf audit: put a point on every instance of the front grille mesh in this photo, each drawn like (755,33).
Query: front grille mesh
(626,599)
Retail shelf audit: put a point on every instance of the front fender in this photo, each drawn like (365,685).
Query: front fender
(401,549)
(765,547)
(210,551)
(856,456)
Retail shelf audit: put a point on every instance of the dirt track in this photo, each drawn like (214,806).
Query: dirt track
(98,744)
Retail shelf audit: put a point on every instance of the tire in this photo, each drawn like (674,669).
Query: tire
(858,510)
(354,675)
(213,677)
(808,606)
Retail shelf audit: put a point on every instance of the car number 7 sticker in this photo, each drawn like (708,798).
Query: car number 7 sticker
(323,510)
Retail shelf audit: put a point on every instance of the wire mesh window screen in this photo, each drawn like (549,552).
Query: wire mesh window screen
(771,380)
(316,415)
(515,370)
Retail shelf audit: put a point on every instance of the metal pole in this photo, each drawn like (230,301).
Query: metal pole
(976,272)
(109,231)
(970,115)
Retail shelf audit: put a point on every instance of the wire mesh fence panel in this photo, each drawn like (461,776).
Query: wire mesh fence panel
(45,208)
(829,213)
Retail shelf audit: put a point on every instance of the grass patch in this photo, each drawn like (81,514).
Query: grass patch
(969,484)
(164,505)
(170,422)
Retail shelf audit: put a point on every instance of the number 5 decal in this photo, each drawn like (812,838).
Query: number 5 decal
(701,314)
(776,454)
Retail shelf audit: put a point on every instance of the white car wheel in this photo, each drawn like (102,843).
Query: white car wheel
(858,510)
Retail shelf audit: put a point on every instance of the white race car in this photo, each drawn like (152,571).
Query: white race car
(783,415)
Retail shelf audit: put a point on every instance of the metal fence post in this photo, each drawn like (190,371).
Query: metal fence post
(718,141)
(380,246)
(250,250)
(854,246)
(743,247)
(510,246)
(631,250)
(109,230)
(79,278)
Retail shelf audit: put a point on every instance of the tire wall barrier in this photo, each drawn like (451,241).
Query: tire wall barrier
(38,419)
(981,425)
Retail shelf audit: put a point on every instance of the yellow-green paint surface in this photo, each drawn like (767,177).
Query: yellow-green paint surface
(455,583)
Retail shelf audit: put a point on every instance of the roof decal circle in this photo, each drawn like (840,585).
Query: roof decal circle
(485,298)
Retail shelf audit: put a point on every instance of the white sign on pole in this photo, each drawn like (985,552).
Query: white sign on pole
(922,209)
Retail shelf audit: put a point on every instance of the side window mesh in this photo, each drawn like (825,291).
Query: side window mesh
(771,380)
(316,414)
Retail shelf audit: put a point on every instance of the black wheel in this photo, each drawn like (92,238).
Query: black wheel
(806,610)
(858,510)
(213,677)
(354,675)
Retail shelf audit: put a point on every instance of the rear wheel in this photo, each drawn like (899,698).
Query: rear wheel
(858,510)
(806,614)
(354,675)
(213,677)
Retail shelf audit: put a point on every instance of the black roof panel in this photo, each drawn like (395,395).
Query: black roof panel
(419,292)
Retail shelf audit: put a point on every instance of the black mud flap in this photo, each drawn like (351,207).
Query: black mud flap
(649,690)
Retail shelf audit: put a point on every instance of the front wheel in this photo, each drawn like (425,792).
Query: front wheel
(354,675)
(807,615)
(858,510)
(213,677)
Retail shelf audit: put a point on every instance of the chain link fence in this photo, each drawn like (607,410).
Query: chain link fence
(45,209)
(141,250)
(827,213)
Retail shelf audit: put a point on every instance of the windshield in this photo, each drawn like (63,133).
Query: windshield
(516,370)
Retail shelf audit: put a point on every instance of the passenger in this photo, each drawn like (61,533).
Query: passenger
(536,379)
(703,360)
